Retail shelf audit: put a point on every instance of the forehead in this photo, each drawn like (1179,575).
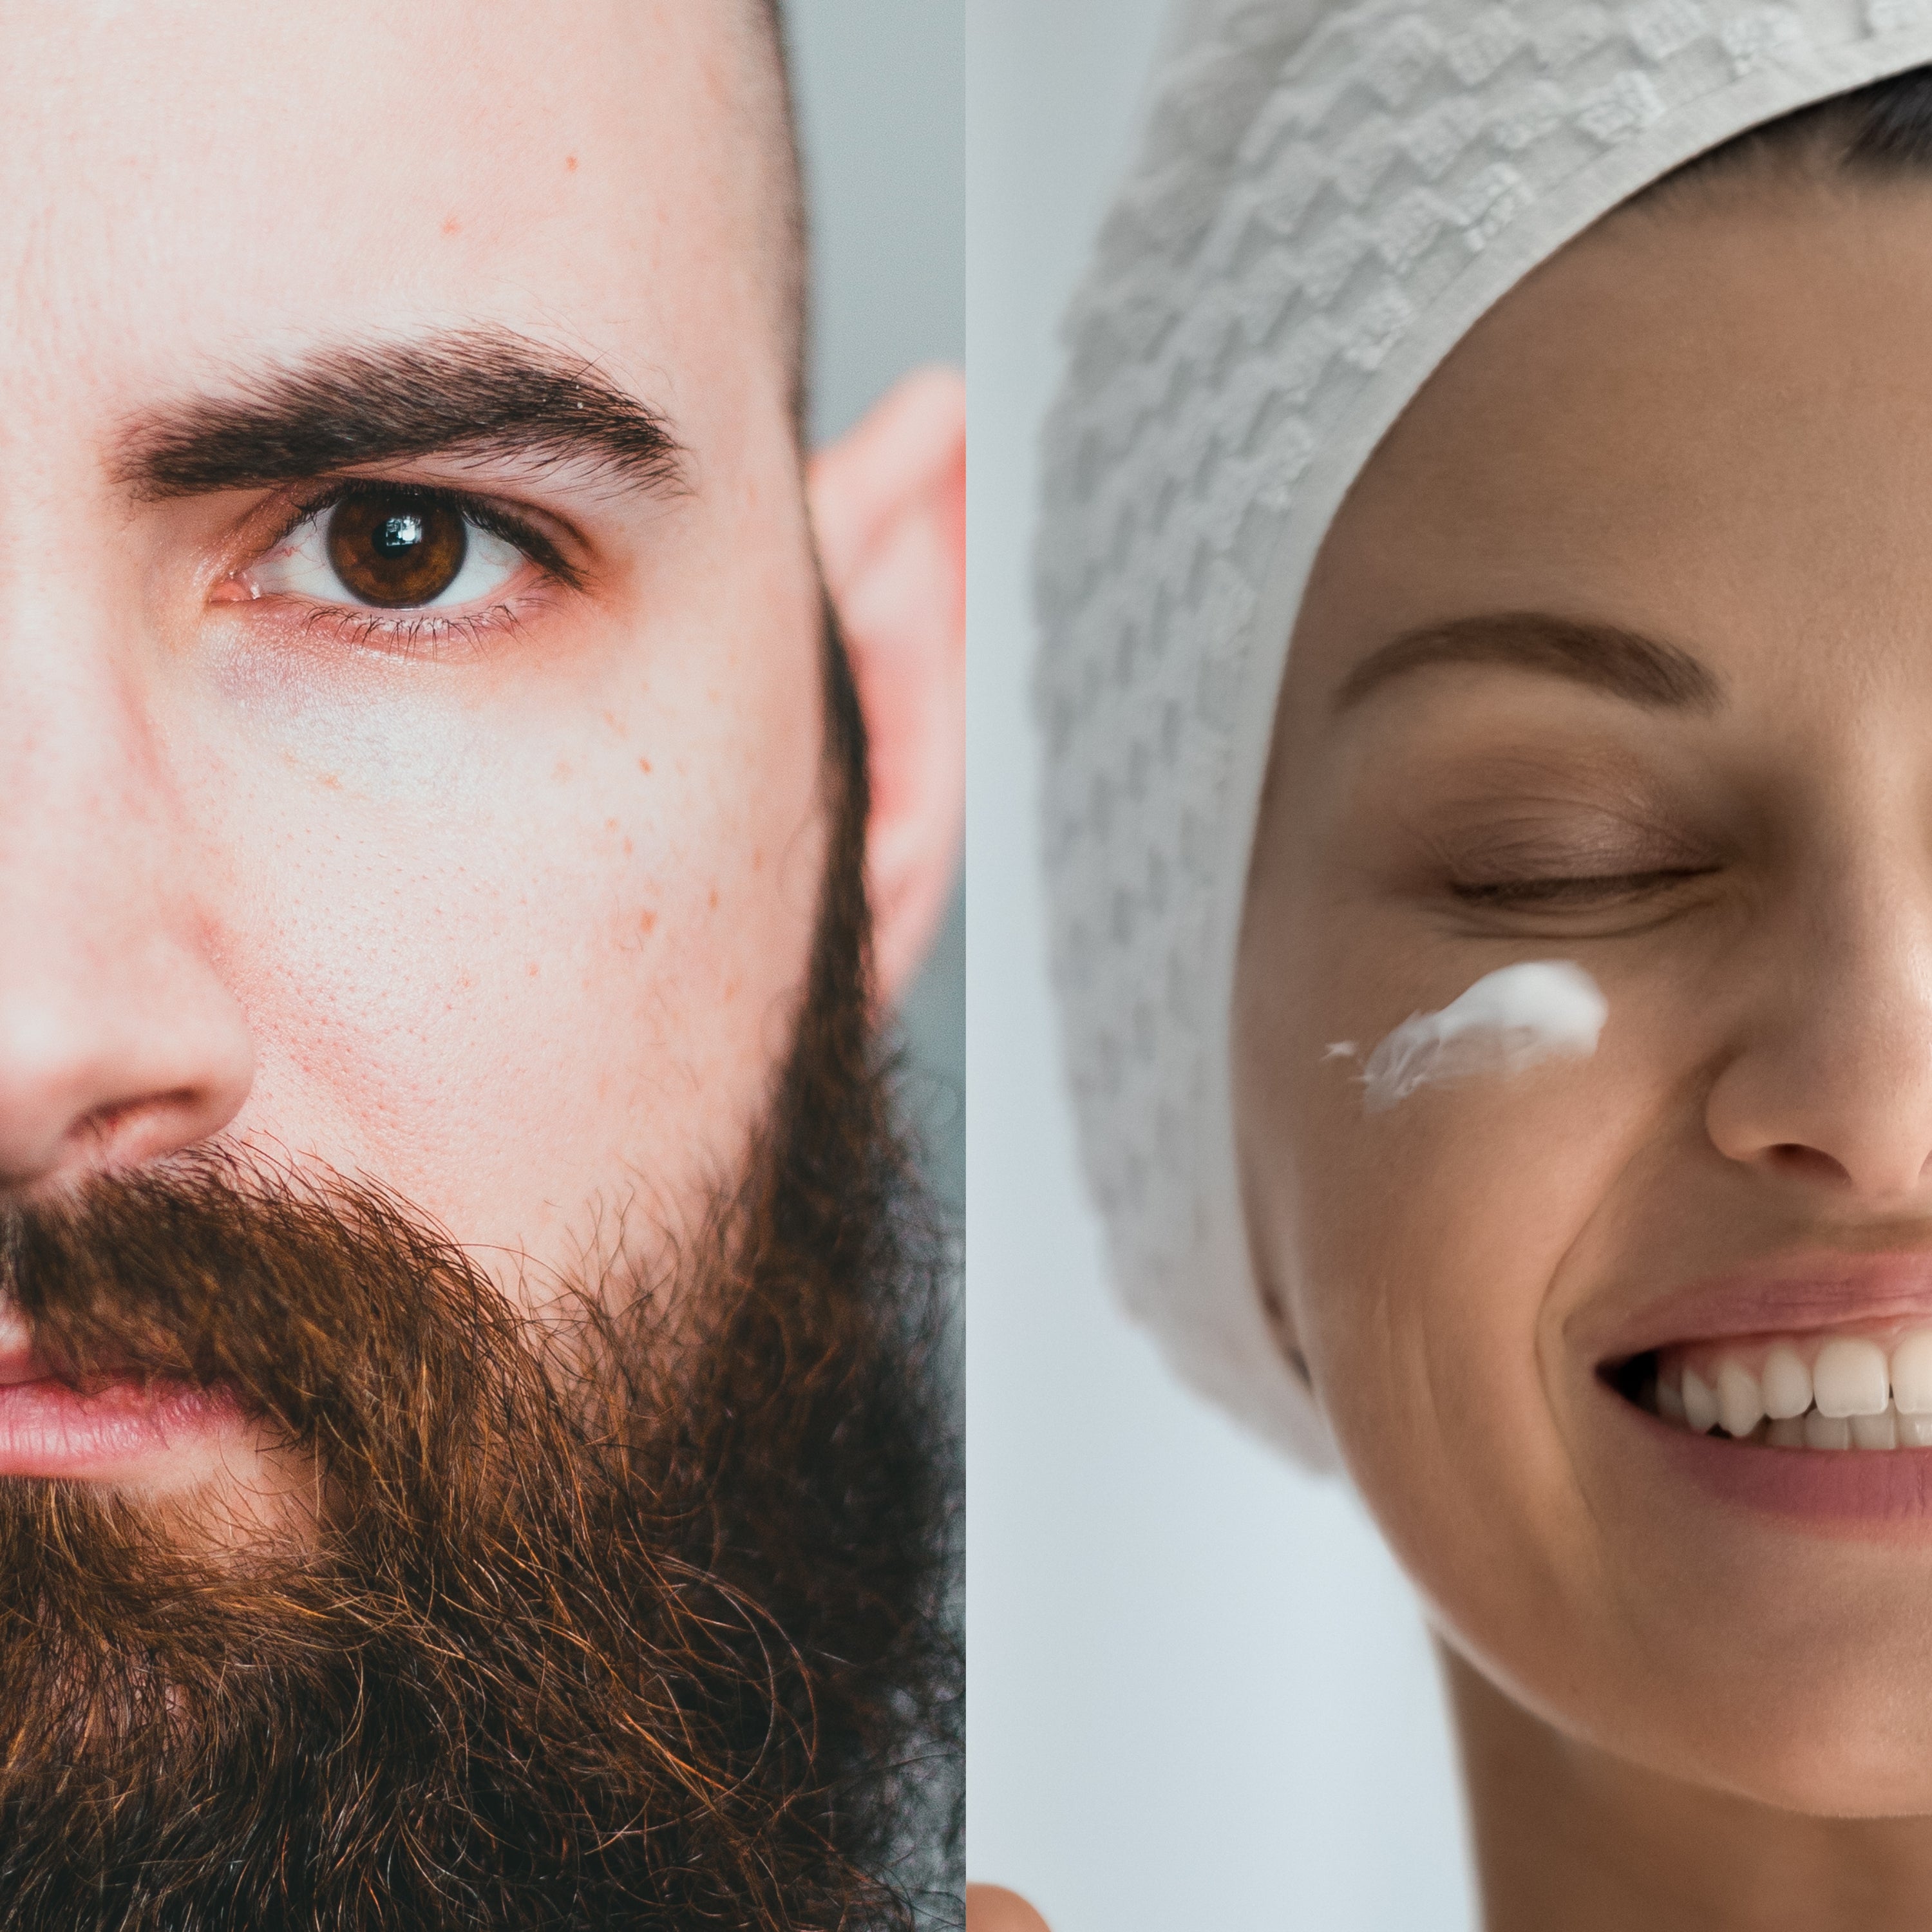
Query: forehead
(185,181)
(1698,416)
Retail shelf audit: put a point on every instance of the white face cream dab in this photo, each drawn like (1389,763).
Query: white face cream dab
(1508,1021)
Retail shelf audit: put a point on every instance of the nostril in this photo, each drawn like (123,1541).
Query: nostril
(126,1133)
(115,1071)
(1806,1162)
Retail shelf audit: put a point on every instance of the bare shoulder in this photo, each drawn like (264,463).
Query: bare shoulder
(991,1908)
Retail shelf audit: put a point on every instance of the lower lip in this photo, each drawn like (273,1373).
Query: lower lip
(1857,1491)
(49,1429)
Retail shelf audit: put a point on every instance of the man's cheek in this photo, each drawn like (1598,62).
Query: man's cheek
(423,992)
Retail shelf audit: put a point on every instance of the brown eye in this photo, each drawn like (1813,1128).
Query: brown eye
(393,547)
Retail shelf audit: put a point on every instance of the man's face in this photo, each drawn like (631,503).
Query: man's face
(451,1223)
(1704,426)
(498,888)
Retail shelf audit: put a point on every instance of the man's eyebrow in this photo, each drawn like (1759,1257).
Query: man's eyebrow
(1641,670)
(470,393)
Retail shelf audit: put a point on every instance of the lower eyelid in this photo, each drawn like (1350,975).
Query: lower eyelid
(422,632)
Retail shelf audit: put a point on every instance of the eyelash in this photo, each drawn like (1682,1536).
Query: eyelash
(423,630)
(405,635)
(1560,892)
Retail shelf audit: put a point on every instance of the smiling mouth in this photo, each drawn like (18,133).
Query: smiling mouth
(1864,1390)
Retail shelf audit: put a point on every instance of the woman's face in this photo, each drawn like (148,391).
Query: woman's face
(1709,425)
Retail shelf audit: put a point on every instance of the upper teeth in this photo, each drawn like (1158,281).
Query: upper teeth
(1850,1393)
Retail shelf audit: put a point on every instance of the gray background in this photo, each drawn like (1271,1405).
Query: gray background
(880,87)
(1200,1693)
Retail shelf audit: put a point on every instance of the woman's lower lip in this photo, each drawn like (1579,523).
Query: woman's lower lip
(1854,1492)
(49,1429)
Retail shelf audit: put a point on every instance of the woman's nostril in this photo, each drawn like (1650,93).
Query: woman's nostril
(1809,1163)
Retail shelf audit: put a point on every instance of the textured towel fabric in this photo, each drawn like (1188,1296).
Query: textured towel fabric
(1323,201)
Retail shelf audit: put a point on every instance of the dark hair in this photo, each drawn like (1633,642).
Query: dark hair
(794,246)
(1875,132)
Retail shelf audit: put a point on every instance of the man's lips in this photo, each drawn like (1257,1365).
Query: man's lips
(20,1362)
(119,1430)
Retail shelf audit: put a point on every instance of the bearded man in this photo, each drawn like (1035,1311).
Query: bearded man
(473,1447)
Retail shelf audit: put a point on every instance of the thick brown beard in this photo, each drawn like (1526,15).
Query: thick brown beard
(641,1620)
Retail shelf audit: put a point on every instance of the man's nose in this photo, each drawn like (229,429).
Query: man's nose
(119,1042)
(1829,1079)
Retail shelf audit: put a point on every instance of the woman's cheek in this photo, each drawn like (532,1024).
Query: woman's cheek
(1433,1242)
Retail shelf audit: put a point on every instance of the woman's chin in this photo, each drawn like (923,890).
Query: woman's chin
(1775,1654)
(1861,1756)
(1835,1725)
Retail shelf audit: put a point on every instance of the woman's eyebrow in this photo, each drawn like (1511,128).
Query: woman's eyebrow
(473,394)
(1639,669)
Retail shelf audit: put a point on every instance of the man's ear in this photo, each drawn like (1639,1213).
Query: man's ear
(889,506)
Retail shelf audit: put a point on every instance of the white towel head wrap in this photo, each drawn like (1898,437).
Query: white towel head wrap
(1324,200)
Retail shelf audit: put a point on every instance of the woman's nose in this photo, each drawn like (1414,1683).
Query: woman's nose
(1829,1076)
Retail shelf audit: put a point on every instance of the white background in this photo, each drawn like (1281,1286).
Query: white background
(1201,1696)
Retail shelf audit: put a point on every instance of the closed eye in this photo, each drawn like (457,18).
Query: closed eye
(1596,889)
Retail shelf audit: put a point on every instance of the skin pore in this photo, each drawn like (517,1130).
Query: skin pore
(1697,441)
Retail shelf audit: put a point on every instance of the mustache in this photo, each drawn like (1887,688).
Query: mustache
(335,1313)
(645,1608)
(511,1581)
(643,1611)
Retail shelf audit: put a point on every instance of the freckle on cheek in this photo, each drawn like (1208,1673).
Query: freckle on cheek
(450,225)
(647,922)
(644,766)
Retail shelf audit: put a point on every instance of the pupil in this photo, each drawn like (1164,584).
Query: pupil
(399,534)
(394,548)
